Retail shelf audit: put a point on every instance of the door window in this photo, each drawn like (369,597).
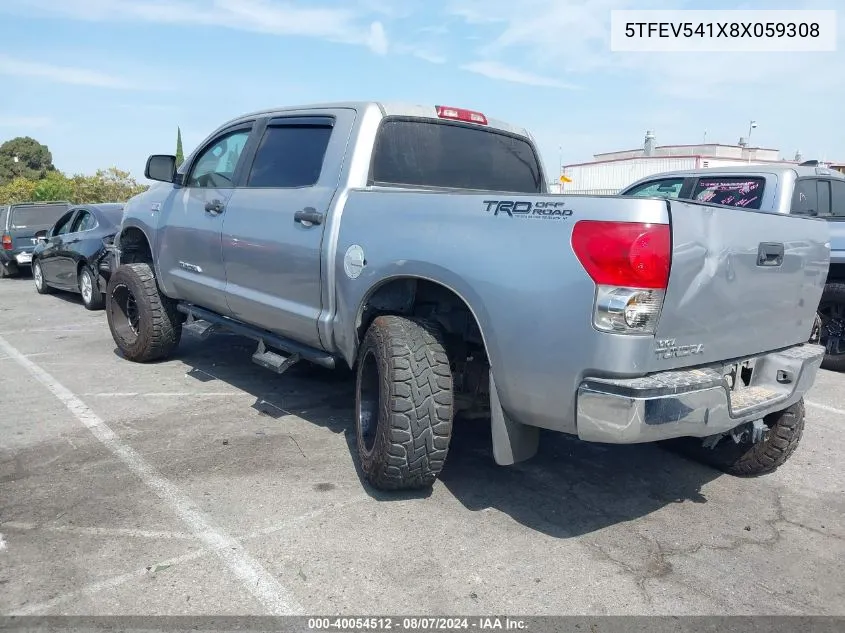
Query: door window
(663,188)
(290,156)
(730,191)
(837,198)
(215,165)
(805,198)
(62,226)
(85,221)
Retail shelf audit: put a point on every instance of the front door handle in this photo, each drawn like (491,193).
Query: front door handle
(310,215)
(214,206)
(769,254)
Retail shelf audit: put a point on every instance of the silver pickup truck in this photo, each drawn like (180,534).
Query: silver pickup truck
(806,189)
(419,246)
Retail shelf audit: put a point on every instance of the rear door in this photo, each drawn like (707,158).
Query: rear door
(741,282)
(273,229)
(54,251)
(190,257)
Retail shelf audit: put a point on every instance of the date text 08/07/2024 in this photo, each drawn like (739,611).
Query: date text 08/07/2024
(481,623)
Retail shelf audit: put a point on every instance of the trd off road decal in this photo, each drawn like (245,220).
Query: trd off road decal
(541,210)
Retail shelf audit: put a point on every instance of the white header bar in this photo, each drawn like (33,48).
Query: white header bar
(723,31)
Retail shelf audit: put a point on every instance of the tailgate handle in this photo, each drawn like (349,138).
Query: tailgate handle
(770,254)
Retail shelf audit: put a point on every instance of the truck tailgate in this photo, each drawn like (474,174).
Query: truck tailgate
(741,283)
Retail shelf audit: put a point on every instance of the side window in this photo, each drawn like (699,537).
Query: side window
(805,198)
(837,198)
(215,165)
(290,156)
(824,197)
(665,188)
(85,221)
(4,213)
(730,191)
(62,226)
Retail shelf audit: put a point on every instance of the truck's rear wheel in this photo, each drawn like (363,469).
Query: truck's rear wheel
(144,323)
(832,313)
(403,403)
(748,459)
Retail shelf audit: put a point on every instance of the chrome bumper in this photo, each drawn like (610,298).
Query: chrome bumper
(695,402)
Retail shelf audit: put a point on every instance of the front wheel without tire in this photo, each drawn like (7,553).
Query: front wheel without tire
(144,323)
(403,404)
(832,331)
(748,459)
(92,298)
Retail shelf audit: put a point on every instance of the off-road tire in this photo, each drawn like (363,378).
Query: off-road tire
(43,289)
(834,292)
(158,327)
(746,459)
(98,301)
(404,381)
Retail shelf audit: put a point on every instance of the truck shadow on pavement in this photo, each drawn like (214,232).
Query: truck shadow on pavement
(568,489)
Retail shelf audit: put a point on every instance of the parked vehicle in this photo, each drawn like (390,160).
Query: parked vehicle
(806,190)
(419,246)
(20,224)
(73,255)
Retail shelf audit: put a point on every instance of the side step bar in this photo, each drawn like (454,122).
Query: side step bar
(202,323)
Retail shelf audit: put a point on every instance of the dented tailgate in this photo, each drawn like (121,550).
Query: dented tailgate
(741,283)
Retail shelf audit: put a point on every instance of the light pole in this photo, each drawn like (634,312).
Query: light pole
(751,126)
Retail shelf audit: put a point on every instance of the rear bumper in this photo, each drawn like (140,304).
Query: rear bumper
(17,256)
(695,402)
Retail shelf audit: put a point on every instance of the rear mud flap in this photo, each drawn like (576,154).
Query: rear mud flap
(512,442)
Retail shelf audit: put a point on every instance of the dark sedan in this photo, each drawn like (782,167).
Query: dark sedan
(73,255)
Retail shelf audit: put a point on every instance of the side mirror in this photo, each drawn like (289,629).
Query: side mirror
(161,167)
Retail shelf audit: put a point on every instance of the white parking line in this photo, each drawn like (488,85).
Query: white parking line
(257,580)
(161,394)
(824,407)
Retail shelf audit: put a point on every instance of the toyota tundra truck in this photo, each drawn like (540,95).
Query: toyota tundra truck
(419,247)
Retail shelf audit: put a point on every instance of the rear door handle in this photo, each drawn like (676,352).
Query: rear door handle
(214,206)
(310,215)
(770,254)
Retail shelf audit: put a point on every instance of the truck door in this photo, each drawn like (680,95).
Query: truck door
(189,254)
(273,230)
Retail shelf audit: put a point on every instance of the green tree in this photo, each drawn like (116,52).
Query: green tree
(54,186)
(17,190)
(180,156)
(24,157)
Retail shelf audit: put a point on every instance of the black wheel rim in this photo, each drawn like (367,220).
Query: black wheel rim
(833,328)
(368,398)
(124,313)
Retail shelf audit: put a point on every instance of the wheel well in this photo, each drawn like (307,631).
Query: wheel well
(836,272)
(462,334)
(134,247)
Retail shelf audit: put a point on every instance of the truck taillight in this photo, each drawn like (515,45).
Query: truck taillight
(629,262)
(7,242)
(459,114)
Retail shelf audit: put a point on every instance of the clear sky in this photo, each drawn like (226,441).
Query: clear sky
(106,82)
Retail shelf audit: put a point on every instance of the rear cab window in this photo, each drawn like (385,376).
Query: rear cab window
(731,191)
(36,216)
(440,155)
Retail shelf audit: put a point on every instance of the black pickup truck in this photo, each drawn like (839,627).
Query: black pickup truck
(20,225)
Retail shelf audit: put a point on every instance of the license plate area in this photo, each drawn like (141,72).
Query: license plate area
(739,374)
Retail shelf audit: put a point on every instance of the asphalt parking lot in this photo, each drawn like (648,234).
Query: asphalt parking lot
(207,485)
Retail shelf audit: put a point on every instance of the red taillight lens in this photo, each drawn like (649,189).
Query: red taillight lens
(624,254)
(459,114)
(7,242)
